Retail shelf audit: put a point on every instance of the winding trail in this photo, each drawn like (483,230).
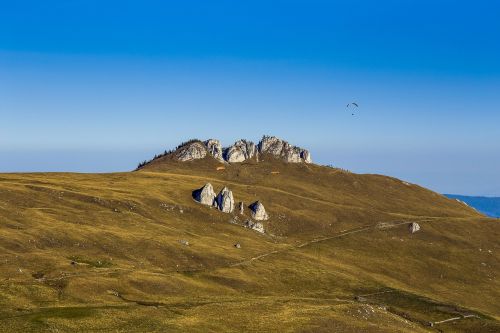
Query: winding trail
(379,226)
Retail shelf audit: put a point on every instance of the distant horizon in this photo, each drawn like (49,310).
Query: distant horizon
(126,160)
(100,86)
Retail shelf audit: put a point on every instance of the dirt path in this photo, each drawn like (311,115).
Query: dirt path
(324,239)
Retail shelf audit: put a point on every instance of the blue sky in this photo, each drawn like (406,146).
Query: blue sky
(97,86)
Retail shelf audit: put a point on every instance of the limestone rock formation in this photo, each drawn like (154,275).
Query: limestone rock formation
(306,156)
(258,211)
(215,149)
(205,195)
(225,200)
(191,151)
(257,226)
(414,227)
(282,149)
(240,151)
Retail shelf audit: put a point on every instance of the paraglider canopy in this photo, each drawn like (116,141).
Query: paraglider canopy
(352,106)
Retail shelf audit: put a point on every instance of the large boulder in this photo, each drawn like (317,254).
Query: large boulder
(258,211)
(191,151)
(282,149)
(414,227)
(205,195)
(215,149)
(240,151)
(225,200)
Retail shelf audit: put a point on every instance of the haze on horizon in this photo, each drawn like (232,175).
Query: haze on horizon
(93,87)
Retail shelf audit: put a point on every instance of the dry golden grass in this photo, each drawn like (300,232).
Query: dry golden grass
(332,236)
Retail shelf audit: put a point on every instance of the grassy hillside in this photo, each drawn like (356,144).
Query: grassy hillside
(102,252)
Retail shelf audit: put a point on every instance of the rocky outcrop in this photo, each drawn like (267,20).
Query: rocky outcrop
(191,151)
(414,227)
(225,200)
(282,149)
(258,211)
(205,195)
(215,149)
(240,151)
(306,156)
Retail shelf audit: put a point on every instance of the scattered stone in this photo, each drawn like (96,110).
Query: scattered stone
(414,227)
(237,245)
(192,151)
(184,242)
(258,211)
(242,207)
(205,195)
(225,200)
(257,226)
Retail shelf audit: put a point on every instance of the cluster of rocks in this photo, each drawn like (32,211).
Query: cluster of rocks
(224,201)
(243,150)
(258,211)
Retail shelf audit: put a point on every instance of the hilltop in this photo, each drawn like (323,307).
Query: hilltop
(241,151)
(133,251)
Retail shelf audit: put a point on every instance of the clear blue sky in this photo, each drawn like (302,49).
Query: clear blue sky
(100,85)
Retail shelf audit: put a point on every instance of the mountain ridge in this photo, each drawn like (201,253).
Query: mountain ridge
(240,151)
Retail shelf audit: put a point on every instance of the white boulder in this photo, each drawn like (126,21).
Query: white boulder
(414,227)
(225,200)
(258,211)
(205,195)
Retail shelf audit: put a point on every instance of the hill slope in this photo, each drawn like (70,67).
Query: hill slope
(102,252)
(487,205)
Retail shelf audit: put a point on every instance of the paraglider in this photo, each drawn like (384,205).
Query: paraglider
(352,105)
